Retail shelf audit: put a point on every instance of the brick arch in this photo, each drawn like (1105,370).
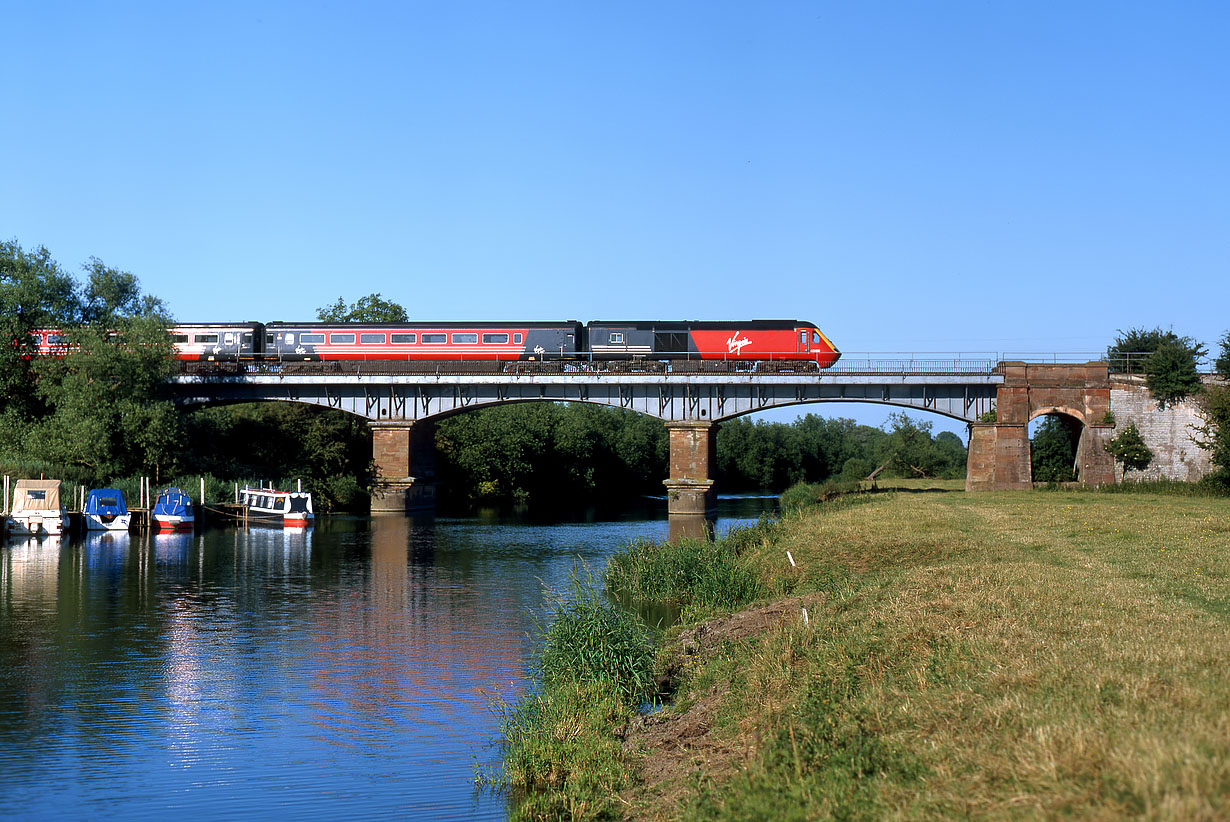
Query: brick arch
(999,450)
(1058,409)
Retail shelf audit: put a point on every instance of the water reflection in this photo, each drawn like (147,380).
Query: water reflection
(343,670)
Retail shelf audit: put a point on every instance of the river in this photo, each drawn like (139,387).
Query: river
(345,671)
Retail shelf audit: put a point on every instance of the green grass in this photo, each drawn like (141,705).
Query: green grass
(593,667)
(998,656)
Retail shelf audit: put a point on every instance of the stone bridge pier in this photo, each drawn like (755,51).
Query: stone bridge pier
(404,455)
(691,504)
(999,458)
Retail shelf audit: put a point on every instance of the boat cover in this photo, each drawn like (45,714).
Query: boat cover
(106,503)
(36,495)
(173,502)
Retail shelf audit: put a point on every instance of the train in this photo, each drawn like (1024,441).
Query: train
(600,340)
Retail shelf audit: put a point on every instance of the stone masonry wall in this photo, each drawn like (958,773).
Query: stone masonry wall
(1168,433)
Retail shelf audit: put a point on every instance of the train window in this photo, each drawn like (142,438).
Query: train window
(434,338)
(341,338)
(36,340)
(204,338)
(463,339)
(617,337)
(371,339)
(495,339)
(305,338)
(268,339)
(55,339)
(179,338)
(402,338)
(517,339)
(815,338)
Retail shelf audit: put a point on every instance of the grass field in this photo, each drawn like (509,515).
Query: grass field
(1014,656)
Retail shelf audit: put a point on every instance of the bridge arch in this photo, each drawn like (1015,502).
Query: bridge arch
(999,455)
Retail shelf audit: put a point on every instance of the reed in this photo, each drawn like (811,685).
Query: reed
(693,575)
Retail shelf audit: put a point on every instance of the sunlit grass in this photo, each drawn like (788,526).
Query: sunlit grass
(986,655)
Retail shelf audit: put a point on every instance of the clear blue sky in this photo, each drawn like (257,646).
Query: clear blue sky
(974,176)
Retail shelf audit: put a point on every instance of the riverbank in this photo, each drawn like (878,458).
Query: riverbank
(991,655)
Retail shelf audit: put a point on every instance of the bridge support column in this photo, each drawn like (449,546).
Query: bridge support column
(1094,464)
(998,457)
(691,498)
(404,454)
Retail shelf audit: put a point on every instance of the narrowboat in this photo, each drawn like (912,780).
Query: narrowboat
(105,510)
(173,511)
(38,510)
(292,509)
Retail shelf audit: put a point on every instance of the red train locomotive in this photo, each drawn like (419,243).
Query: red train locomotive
(599,340)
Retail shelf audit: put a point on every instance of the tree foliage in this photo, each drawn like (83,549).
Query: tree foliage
(1167,360)
(1132,347)
(1214,433)
(34,293)
(1052,452)
(370,309)
(1222,364)
(1129,449)
(1170,371)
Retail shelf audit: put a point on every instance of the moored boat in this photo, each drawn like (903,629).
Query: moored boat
(37,509)
(173,511)
(291,509)
(106,510)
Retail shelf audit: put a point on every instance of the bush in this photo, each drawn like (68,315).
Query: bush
(1129,449)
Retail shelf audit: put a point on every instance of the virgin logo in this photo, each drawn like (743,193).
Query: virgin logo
(735,344)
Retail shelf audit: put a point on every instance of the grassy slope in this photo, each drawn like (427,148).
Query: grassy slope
(1006,655)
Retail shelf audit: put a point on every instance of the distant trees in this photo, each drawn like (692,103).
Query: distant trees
(370,309)
(1052,453)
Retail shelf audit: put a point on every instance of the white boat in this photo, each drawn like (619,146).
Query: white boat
(292,509)
(37,509)
(173,511)
(106,510)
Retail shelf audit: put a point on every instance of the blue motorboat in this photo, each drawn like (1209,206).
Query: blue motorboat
(173,511)
(105,510)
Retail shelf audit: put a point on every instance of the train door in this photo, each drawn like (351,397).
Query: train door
(803,346)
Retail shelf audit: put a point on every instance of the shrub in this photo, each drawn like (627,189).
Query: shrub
(1129,449)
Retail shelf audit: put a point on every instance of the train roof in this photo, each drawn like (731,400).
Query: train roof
(649,325)
(421,324)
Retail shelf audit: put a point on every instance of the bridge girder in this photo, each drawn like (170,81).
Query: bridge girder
(672,398)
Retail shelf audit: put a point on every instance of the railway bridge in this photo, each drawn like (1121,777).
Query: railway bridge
(401,402)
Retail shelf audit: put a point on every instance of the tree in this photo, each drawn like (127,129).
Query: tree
(912,448)
(370,309)
(110,415)
(1170,371)
(1222,364)
(34,293)
(1051,454)
(1132,347)
(1129,449)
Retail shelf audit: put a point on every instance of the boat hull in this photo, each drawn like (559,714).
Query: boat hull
(36,525)
(172,522)
(121,522)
